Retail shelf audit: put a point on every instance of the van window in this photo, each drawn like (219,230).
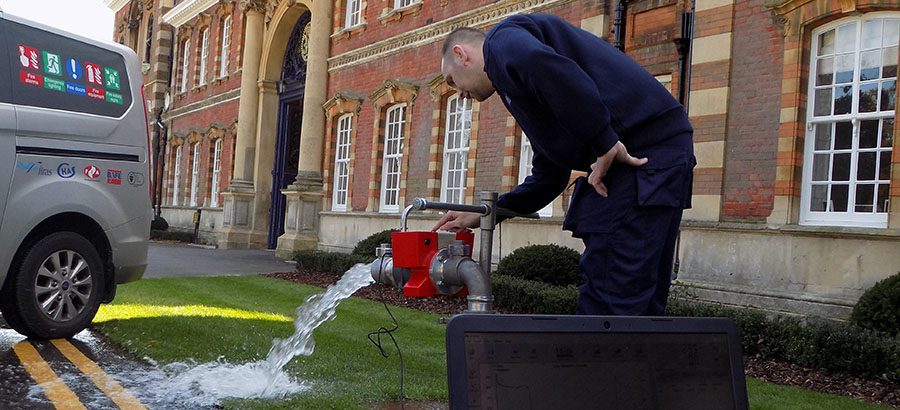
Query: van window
(51,71)
(5,86)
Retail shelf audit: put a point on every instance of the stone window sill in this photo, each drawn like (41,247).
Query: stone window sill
(348,32)
(398,14)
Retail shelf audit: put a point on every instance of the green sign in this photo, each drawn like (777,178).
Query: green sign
(54,84)
(114,97)
(112,78)
(52,63)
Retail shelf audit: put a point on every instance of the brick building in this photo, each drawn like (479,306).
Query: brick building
(303,124)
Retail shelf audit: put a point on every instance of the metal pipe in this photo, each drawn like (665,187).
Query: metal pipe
(480,298)
(423,204)
(488,219)
(619,25)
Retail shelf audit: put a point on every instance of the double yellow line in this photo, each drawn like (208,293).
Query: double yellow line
(56,390)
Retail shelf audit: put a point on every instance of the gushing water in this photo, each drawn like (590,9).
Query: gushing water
(183,385)
(317,309)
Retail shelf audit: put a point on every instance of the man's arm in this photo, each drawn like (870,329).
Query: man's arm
(558,83)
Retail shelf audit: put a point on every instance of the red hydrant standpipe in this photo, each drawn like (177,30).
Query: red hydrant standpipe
(416,262)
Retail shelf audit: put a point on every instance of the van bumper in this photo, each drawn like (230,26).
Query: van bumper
(130,242)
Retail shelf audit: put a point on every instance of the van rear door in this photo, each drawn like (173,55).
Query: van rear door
(7,124)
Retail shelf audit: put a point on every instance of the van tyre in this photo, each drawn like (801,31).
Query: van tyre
(57,288)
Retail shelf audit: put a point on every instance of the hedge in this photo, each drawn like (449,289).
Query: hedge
(181,236)
(533,297)
(826,345)
(328,262)
(366,247)
(551,264)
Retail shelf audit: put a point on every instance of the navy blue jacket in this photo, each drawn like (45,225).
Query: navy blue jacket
(575,96)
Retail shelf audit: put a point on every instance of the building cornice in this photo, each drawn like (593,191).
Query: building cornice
(186,10)
(115,5)
(480,17)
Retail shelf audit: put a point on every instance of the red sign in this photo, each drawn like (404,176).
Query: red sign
(96,93)
(94,73)
(31,79)
(114,176)
(29,57)
(91,172)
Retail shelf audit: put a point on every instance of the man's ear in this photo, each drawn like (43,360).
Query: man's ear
(460,54)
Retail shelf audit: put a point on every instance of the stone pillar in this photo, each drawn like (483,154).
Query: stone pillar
(304,196)
(238,199)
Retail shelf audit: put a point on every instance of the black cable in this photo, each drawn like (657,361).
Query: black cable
(375,337)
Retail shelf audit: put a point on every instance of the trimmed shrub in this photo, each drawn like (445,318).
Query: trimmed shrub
(327,262)
(551,264)
(180,236)
(825,345)
(159,224)
(533,297)
(879,307)
(366,247)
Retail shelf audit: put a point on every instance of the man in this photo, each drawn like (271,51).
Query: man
(583,104)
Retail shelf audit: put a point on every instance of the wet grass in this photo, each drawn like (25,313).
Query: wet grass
(236,318)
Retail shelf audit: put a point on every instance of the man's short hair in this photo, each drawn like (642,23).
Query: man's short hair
(466,35)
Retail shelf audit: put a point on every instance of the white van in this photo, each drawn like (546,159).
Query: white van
(74,176)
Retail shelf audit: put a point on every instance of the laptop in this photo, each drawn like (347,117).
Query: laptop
(594,362)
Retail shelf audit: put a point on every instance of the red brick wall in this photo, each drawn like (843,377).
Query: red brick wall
(754,114)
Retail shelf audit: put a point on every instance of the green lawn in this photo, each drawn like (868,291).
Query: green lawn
(237,318)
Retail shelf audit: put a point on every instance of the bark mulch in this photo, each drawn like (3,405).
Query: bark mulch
(772,371)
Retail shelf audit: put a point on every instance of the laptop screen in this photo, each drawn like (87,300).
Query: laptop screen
(520,368)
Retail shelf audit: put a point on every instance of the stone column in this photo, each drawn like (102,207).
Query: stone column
(304,196)
(239,197)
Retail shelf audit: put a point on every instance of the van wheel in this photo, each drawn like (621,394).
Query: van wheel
(57,288)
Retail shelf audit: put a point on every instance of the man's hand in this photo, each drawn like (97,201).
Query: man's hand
(456,221)
(617,153)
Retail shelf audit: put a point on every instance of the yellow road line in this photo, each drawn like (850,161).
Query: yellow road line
(109,386)
(54,388)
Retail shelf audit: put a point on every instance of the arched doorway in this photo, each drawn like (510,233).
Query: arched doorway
(291,88)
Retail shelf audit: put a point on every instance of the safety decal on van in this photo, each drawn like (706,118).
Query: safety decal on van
(52,63)
(94,73)
(91,172)
(54,84)
(76,89)
(112,78)
(35,167)
(65,170)
(36,80)
(28,57)
(136,178)
(96,93)
(114,176)
(73,69)
(114,97)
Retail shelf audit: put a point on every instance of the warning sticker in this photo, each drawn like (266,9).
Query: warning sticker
(28,58)
(31,79)
(95,93)
(54,84)
(114,98)
(76,89)
(94,74)
(52,63)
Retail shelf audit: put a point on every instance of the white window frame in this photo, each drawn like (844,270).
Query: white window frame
(185,65)
(195,174)
(526,154)
(353,15)
(216,169)
(204,54)
(392,159)
(850,217)
(225,44)
(457,132)
(342,163)
(399,4)
(176,180)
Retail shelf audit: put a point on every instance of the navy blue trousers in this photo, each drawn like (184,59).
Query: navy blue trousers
(629,236)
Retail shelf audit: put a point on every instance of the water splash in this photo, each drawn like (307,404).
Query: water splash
(317,309)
